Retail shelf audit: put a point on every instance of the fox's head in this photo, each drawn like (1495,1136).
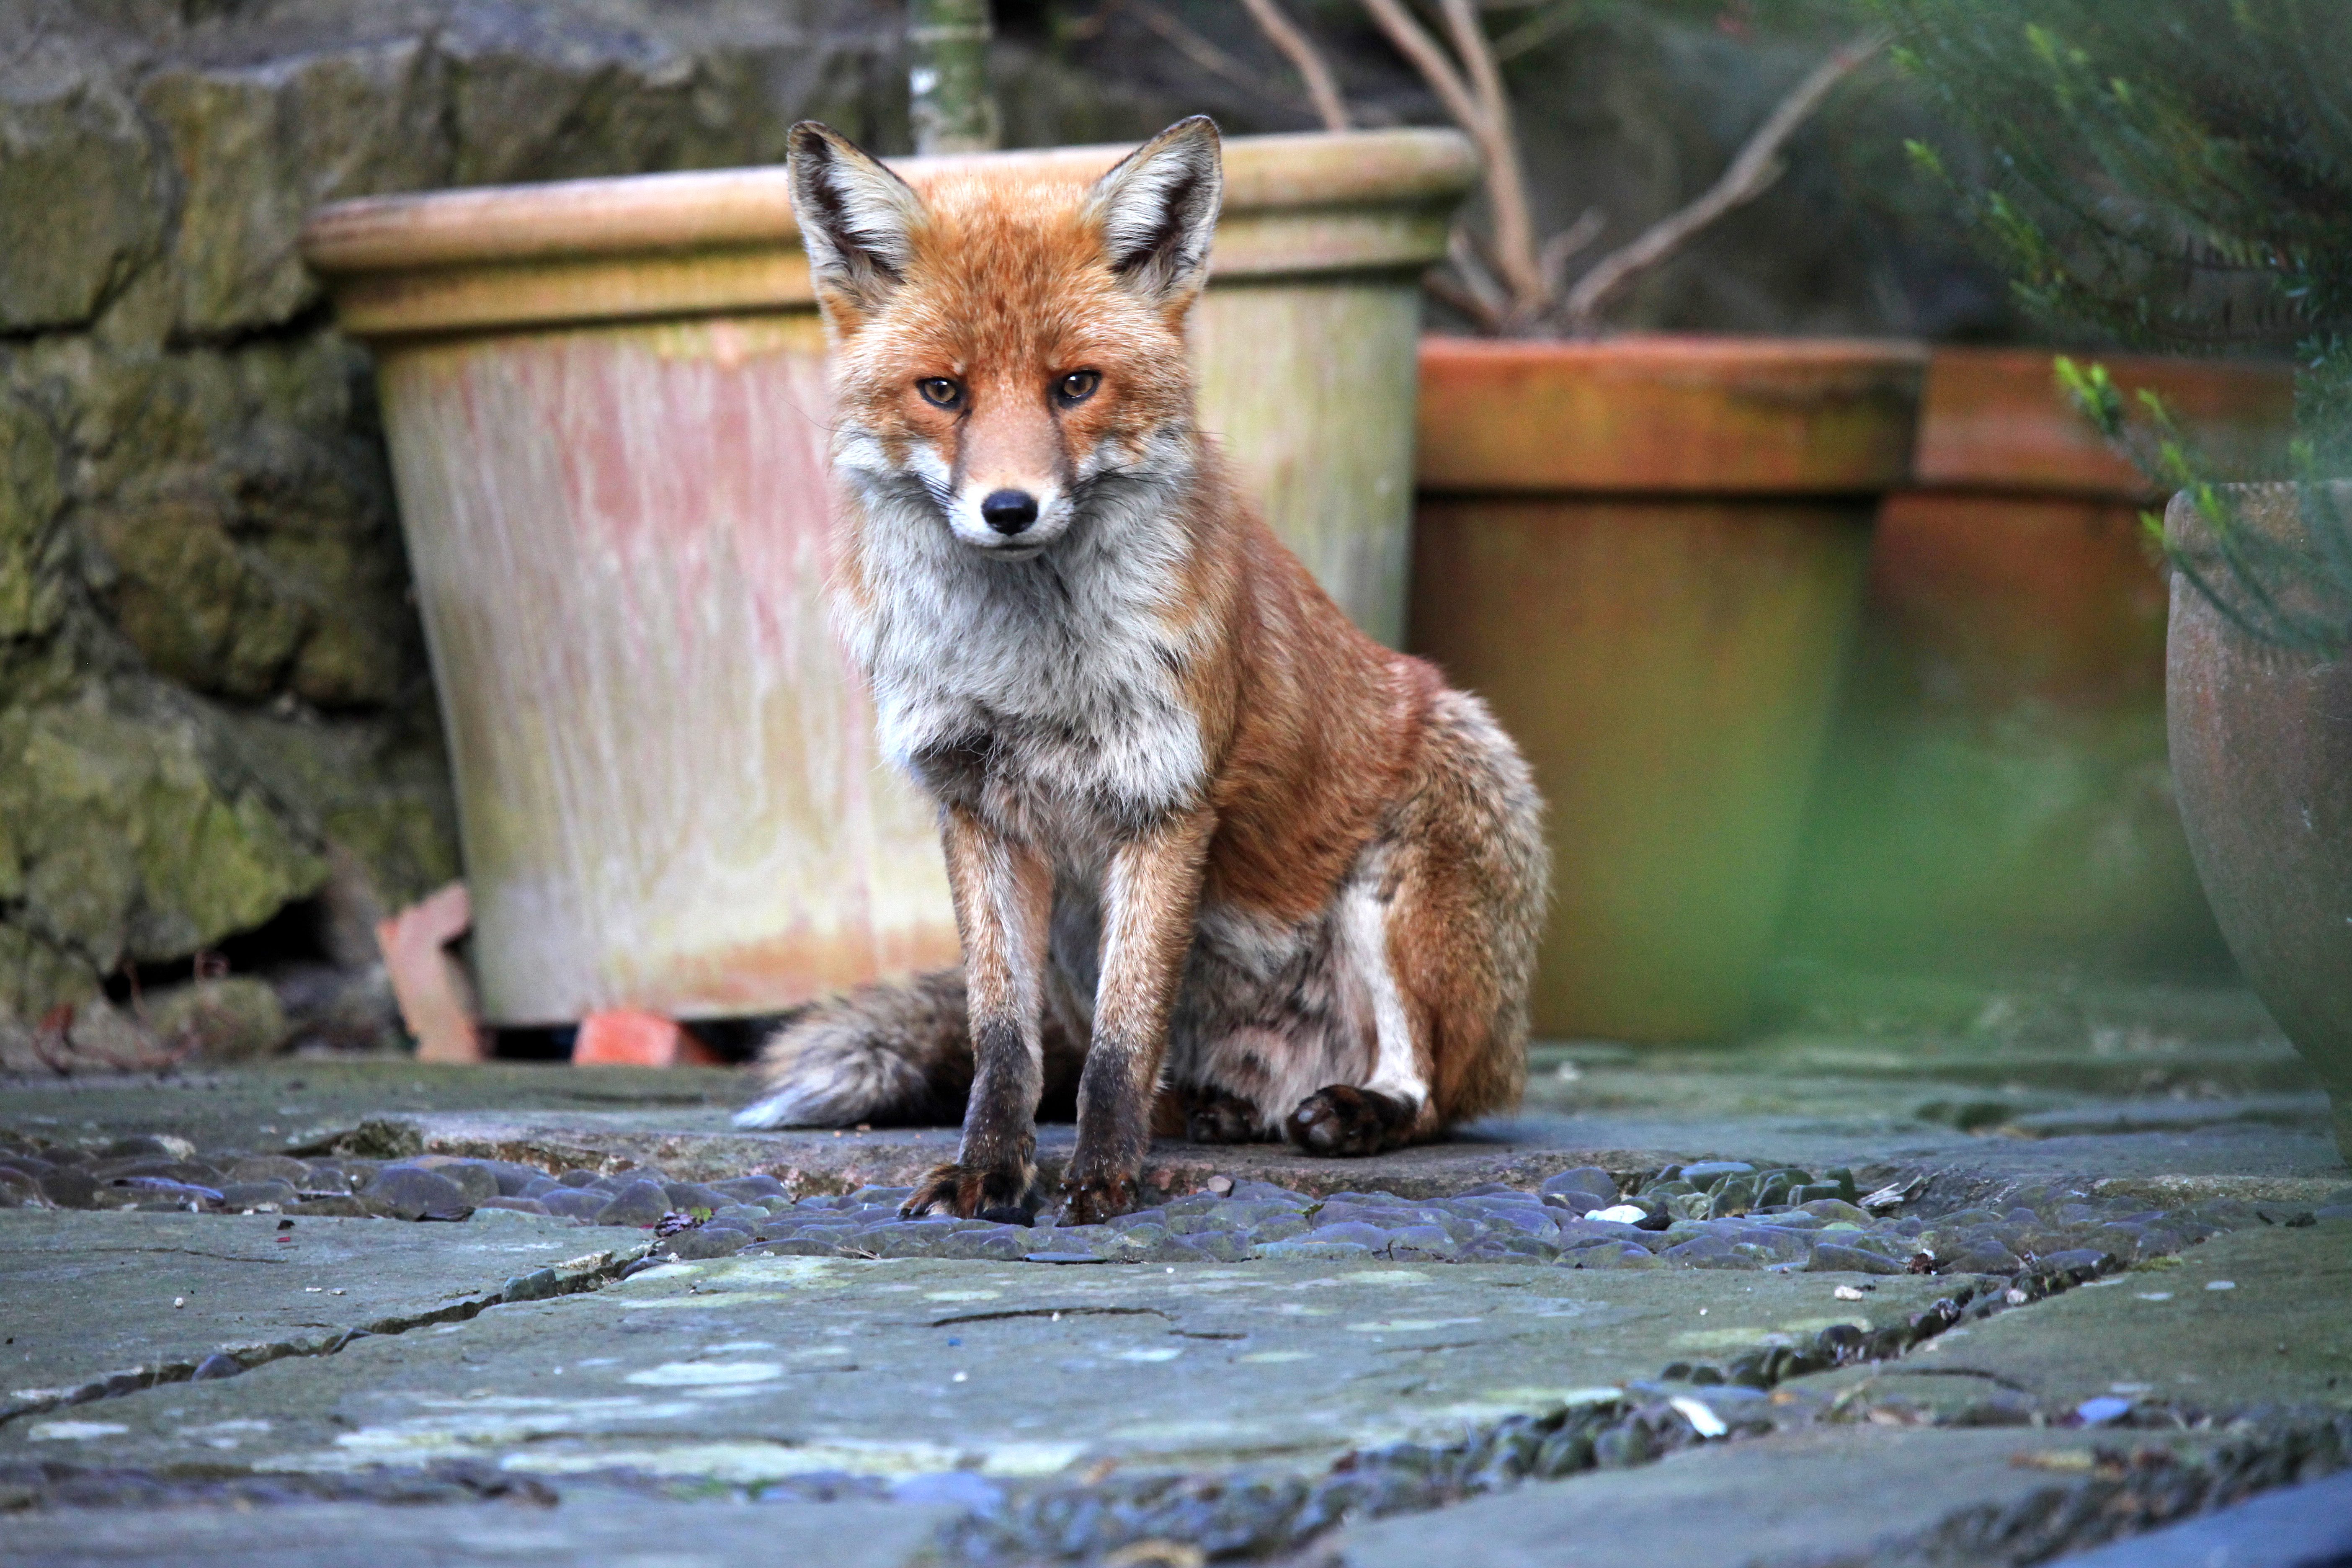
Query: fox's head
(1009,348)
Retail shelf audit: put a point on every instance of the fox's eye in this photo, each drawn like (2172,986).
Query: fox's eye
(940,392)
(1076,387)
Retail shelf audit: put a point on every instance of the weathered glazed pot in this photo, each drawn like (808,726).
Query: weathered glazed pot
(1647,555)
(1996,792)
(607,410)
(2261,753)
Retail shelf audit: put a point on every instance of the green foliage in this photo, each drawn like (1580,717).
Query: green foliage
(2176,175)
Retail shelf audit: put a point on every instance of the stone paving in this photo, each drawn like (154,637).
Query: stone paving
(2025,1286)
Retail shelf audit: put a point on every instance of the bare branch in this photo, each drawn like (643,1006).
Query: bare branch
(1476,272)
(1477,103)
(1561,248)
(1198,49)
(1507,183)
(1322,88)
(1755,168)
(1537,30)
(1414,44)
(1463,299)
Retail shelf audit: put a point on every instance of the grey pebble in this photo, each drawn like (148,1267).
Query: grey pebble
(1831,1259)
(1314,1245)
(253,1194)
(575,1202)
(410,1190)
(474,1180)
(642,1203)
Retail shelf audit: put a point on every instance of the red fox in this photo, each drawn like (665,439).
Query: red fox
(1221,863)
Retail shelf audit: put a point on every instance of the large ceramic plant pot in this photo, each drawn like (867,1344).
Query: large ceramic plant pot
(1647,555)
(607,409)
(1996,792)
(2261,750)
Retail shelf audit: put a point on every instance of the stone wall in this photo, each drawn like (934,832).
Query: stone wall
(212,695)
(213,702)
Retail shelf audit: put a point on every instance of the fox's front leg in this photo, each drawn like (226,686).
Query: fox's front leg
(1150,900)
(1004,899)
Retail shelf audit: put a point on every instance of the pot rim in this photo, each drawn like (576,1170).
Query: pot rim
(1668,413)
(1670,352)
(702,209)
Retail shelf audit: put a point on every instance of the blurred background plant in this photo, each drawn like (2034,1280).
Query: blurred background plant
(2176,175)
(1627,144)
(1501,276)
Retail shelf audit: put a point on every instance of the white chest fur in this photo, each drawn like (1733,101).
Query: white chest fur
(1060,671)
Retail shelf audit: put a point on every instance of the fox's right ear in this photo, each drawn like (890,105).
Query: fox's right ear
(855,216)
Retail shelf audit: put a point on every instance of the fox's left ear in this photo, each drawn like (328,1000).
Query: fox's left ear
(1159,209)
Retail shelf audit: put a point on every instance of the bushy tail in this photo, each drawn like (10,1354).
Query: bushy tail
(883,1055)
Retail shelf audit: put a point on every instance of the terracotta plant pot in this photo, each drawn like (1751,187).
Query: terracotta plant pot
(607,409)
(1996,792)
(1647,555)
(2261,750)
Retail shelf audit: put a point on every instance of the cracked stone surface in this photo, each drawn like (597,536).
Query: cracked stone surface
(1802,1498)
(605,1534)
(1404,1360)
(751,1369)
(147,1298)
(2260,1319)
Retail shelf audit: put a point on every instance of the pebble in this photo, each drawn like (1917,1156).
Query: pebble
(1712,1213)
(412,1192)
(642,1203)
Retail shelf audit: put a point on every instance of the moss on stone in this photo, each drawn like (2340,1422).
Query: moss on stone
(36,974)
(129,843)
(72,151)
(30,496)
(233,1018)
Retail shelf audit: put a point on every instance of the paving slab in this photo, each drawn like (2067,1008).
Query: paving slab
(1071,1411)
(750,1369)
(616,1534)
(2308,1526)
(2255,1320)
(274,1106)
(1846,1496)
(98,1304)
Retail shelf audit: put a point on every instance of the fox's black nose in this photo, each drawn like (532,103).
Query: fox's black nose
(1009,512)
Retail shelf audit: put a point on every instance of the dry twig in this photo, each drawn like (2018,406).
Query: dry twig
(1471,88)
(1755,168)
(1322,86)
(1200,50)
(1506,281)
(1561,248)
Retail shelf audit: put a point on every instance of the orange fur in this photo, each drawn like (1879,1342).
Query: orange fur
(1256,833)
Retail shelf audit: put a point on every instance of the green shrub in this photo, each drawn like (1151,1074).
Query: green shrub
(2176,175)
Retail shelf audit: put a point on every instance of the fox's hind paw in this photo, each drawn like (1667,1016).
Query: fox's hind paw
(1343,1121)
(973,1192)
(1212,1116)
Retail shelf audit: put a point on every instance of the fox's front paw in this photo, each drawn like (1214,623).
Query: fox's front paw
(973,1192)
(1090,1200)
(1342,1120)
